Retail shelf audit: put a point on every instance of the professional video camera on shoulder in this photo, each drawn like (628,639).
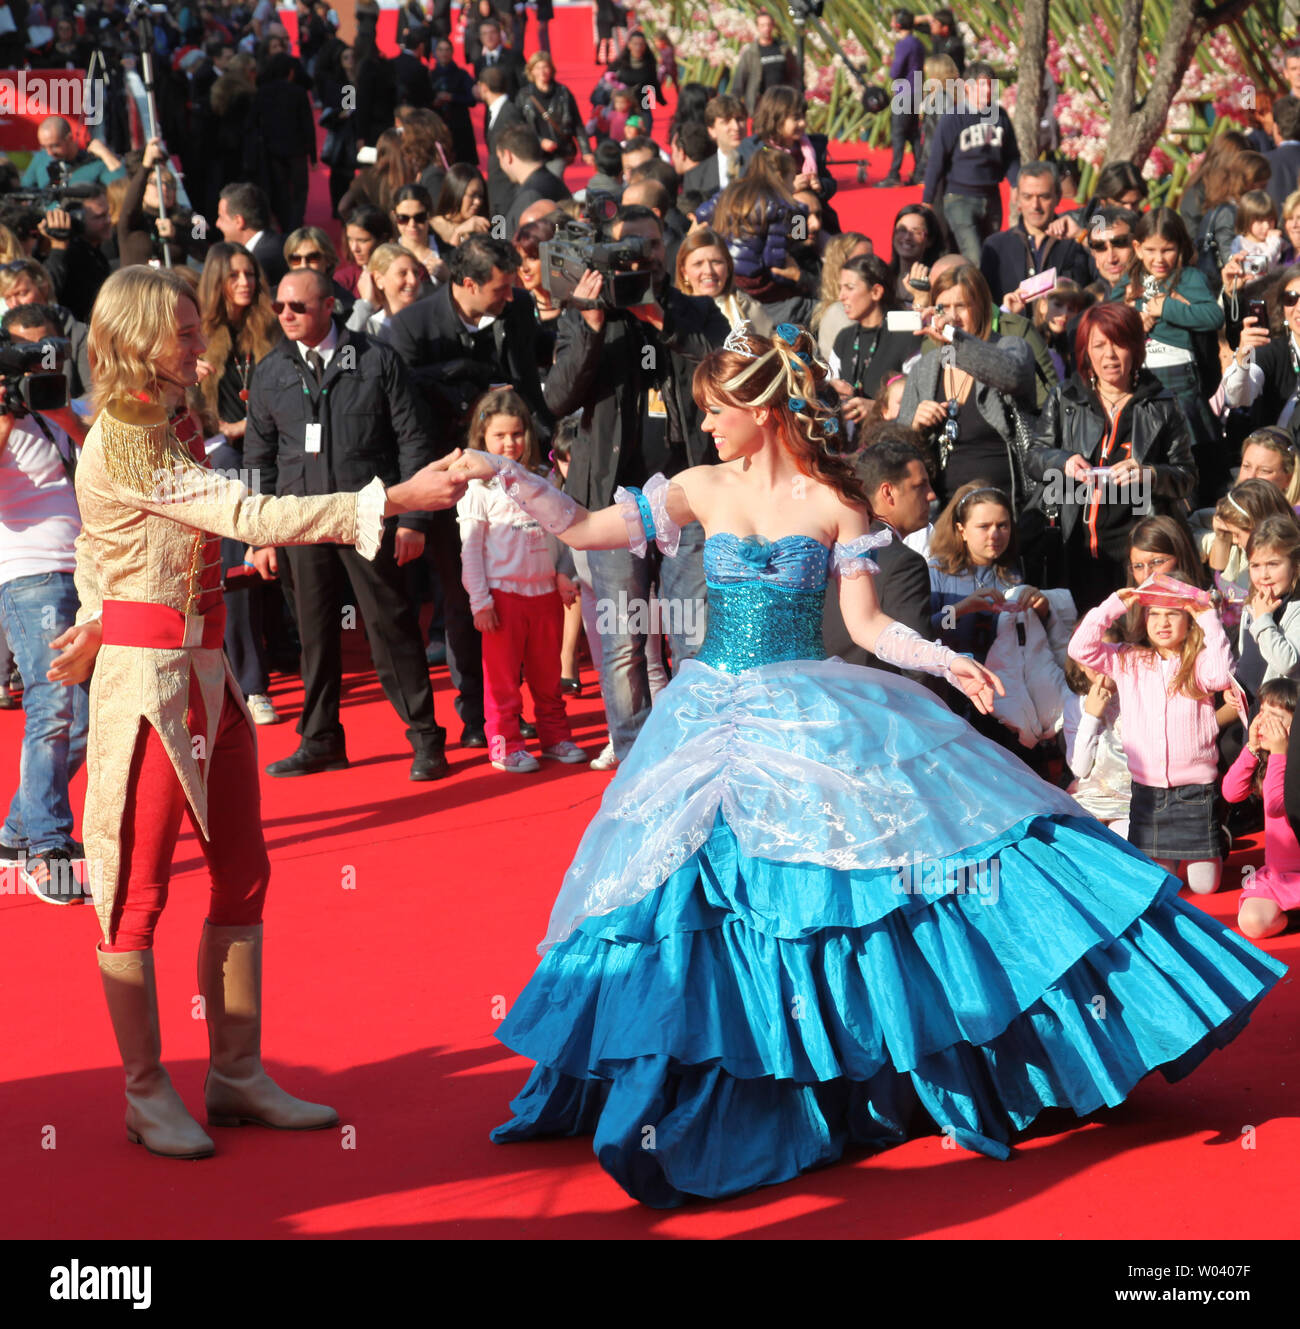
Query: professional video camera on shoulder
(57,195)
(579,245)
(31,373)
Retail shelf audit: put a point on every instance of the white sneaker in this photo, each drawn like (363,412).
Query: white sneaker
(568,752)
(607,760)
(262,709)
(518,763)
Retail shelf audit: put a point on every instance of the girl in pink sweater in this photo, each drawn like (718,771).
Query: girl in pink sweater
(508,568)
(1166,683)
(1261,769)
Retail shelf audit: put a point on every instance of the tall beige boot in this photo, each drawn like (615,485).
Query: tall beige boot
(155,1115)
(238,1090)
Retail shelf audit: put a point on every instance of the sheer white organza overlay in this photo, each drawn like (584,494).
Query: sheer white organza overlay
(806,761)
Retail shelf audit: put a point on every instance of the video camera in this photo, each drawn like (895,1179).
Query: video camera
(58,195)
(579,245)
(32,375)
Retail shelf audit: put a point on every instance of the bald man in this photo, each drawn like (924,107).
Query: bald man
(73,165)
(543,207)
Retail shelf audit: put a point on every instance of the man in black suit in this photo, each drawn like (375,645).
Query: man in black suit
(328,409)
(497,55)
(410,72)
(724,118)
(519,154)
(491,90)
(1285,158)
(454,366)
(893,473)
(244,218)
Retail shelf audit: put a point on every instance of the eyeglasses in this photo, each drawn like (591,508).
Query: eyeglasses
(1105,246)
(1153,564)
(297,306)
(411,218)
(1289,298)
(314,256)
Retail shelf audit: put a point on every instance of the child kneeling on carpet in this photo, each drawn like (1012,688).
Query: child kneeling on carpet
(1261,770)
(1166,683)
(508,566)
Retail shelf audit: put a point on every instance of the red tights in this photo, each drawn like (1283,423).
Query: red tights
(151,821)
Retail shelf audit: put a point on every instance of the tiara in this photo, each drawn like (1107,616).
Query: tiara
(738,341)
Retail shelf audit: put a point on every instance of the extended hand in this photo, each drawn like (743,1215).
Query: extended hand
(473,466)
(78,646)
(432,488)
(978,683)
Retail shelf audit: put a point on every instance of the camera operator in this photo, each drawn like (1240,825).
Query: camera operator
(76,263)
(39,523)
(143,227)
(61,162)
(629,372)
(25,282)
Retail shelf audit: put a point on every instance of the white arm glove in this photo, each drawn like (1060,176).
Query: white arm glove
(553,510)
(906,648)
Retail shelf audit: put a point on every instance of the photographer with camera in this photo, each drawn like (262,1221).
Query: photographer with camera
(60,161)
(76,263)
(25,282)
(628,370)
(144,226)
(39,523)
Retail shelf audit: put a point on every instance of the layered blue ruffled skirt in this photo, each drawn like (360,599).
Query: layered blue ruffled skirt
(751,1015)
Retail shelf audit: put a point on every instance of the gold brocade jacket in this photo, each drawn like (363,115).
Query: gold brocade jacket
(148,512)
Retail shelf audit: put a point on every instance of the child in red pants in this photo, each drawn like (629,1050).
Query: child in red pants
(508,565)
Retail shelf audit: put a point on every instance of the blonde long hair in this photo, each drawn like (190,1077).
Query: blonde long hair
(132,328)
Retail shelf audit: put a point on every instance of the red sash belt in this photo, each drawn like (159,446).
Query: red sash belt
(141,623)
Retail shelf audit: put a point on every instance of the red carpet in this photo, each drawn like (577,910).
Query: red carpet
(401,922)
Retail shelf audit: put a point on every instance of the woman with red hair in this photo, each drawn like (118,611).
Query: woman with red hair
(1112,445)
(765,950)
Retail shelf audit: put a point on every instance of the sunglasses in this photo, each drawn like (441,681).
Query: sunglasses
(411,218)
(950,425)
(297,260)
(1289,299)
(1105,246)
(16,265)
(297,306)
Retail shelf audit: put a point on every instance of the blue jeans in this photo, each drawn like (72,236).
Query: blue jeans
(35,610)
(622,585)
(972,220)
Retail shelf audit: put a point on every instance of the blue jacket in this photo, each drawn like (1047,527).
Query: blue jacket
(766,244)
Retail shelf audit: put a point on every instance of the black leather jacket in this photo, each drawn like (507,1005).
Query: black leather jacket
(1073,422)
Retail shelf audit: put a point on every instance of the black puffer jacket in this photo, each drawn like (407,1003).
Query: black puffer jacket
(1073,422)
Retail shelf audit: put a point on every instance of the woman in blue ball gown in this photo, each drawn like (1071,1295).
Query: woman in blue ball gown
(816,909)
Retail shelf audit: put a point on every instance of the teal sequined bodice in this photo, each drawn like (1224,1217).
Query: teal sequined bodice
(765,600)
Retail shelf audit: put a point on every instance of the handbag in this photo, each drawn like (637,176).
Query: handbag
(1038,524)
